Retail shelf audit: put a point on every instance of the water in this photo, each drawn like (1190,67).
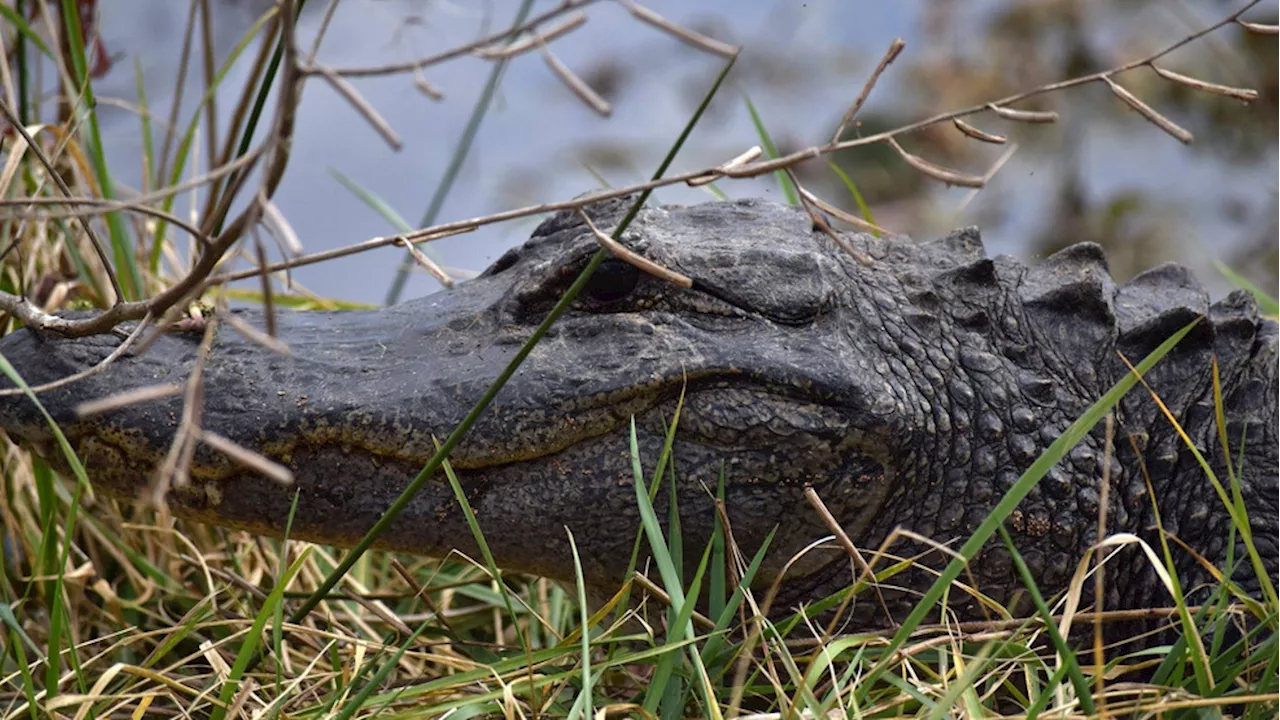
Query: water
(802,64)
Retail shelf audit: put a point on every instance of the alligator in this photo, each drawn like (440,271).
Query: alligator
(908,384)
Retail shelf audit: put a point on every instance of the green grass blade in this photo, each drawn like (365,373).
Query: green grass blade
(771,150)
(584,621)
(494,571)
(373,201)
(671,582)
(388,213)
(149,167)
(1045,697)
(666,571)
(717,639)
(18,22)
(1084,694)
(460,150)
(719,580)
(259,102)
(398,505)
(248,650)
(29,690)
(77,468)
(277,630)
(1266,301)
(123,252)
(359,700)
(853,190)
(188,136)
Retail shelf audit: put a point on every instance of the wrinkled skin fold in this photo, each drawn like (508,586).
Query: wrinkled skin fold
(910,386)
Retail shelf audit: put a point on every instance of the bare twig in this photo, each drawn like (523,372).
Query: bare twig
(267,340)
(1259,28)
(977,134)
(719,171)
(241,163)
(499,51)
(121,349)
(184,57)
(698,40)
(854,220)
(414,238)
(575,84)
(895,49)
(56,176)
(280,228)
(245,457)
(96,206)
(1150,113)
(1023,116)
(864,570)
(173,470)
(1104,499)
(427,263)
(627,255)
(252,82)
(937,172)
(268,297)
(362,106)
(653,589)
(1243,94)
(466,49)
(125,399)
(1005,157)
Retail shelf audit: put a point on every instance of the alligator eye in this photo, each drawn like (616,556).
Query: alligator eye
(612,281)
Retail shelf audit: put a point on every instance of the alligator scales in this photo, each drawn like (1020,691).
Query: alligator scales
(909,384)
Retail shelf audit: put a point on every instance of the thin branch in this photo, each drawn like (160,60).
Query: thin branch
(864,570)
(239,116)
(98,206)
(935,171)
(979,135)
(895,49)
(427,264)
(523,45)
(461,50)
(174,469)
(362,106)
(54,175)
(697,40)
(1150,113)
(628,255)
(576,85)
(1242,94)
(101,365)
(312,259)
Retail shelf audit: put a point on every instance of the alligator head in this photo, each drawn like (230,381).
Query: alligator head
(908,385)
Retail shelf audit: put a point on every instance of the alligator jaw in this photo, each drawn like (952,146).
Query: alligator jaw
(358,408)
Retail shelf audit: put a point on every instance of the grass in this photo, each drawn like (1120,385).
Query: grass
(111,611)
(178,630)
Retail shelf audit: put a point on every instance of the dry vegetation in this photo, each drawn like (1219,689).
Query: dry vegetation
(113,610)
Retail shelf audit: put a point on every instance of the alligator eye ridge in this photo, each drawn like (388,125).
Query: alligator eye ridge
(612,281)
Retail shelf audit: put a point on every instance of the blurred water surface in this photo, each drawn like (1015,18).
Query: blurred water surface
(802,64)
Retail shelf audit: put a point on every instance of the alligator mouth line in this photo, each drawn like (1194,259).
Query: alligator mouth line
(554,431)
(587,419)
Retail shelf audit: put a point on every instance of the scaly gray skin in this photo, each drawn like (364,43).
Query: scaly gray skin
(910,386)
